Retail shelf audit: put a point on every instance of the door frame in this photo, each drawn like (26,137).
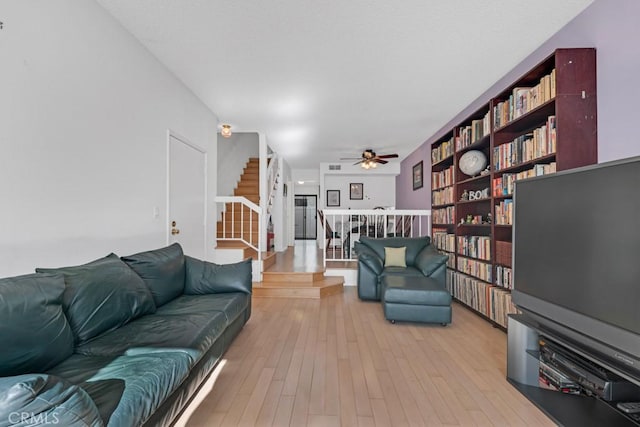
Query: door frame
(315,213)
(184,140)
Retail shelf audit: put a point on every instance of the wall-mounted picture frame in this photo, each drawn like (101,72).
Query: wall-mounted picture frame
(417,176)
(355,191)
(333,198)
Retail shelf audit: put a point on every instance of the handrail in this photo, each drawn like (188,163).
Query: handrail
(249,213)
(272,173)
(347,225)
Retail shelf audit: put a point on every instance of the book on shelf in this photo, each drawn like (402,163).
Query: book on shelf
(442,151)
(527,147)
(520,97)
(442,178)
(503,185)
(504,212)
(524,99)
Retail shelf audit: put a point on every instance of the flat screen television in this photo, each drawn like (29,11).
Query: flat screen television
(576,259)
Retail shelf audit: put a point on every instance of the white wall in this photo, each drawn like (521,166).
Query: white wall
(83,120)
(378,190)
(379,185)
(233,154)
(282,208)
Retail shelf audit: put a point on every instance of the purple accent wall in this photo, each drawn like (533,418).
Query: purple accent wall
(612,28)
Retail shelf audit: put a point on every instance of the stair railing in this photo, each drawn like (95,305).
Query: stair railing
(272,176)
(243,214)
(343,227)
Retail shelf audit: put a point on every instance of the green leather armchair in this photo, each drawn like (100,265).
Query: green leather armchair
(422,260)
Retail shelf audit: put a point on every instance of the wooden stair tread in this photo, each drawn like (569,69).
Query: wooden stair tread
(325,281)
(292,276)
(312,292)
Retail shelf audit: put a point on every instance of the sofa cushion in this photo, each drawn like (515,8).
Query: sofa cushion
(189,323)
(192,332)
(230,304)
(395,257)
(41,399)
(34,331)
(101,296)
(162,270)
(208,278)
(413,244)
(137,383)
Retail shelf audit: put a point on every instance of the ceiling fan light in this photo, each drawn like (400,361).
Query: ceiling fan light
(374,165)
(226,131)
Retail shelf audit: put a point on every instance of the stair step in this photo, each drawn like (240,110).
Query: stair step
(246,192)
(330,286)
(276,277)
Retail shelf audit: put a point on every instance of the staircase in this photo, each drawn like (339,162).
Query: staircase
(237,222)
(286,279)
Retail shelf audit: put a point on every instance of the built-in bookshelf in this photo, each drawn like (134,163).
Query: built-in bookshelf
(542,123)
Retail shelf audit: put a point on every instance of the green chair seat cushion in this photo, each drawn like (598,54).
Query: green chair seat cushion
(101,296)
(401,271)
(163,271)
(34,331)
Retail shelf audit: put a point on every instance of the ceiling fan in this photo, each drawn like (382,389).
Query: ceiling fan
(370,159)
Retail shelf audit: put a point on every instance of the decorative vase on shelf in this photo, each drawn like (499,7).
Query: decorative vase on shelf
(473,162)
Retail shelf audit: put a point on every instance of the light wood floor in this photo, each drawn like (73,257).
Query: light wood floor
(337,362)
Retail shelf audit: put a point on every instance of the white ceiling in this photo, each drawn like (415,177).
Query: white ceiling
(328,79)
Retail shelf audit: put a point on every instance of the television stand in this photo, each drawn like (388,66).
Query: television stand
(563,409)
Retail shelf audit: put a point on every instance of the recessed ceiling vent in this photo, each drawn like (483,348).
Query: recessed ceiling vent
(335,167)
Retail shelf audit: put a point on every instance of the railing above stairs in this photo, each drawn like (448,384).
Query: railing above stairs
(241,221)
(245,221)
(343,227)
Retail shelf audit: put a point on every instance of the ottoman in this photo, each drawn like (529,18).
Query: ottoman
(415,299)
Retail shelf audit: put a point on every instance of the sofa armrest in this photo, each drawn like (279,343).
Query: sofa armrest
(204,277)
(369,258)
(428,260)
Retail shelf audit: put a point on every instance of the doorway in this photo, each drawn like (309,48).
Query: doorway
(306,208)
(186,198)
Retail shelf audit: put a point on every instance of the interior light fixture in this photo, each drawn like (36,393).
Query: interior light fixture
(368,164)
(226,131)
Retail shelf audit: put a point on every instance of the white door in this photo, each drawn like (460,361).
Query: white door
(187,196)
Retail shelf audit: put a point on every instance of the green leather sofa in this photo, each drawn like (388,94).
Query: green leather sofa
(422,260)
(118,341)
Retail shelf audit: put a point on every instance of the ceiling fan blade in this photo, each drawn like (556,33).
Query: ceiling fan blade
(357,163)
(350,158)
(388,156)
(378,160)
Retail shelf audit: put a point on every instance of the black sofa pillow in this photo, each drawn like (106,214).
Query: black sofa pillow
(34,331)
(162,270)
(209,278)
(101,296)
